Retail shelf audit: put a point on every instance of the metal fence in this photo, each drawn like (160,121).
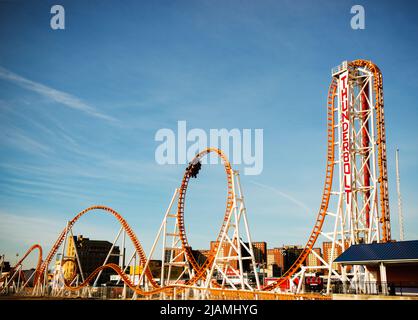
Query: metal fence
(118,292)
(403,288)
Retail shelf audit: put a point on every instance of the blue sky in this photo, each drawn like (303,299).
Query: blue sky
(79,109)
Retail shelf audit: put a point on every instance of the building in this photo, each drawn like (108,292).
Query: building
(274,262)
(92,254)
(4,267)
(260,253)
(312,260)
(392,267)
(226,251)
(279,260)
(153,265)
(200,256)
(290,254)
(177,254)
(177,257)
(327,253)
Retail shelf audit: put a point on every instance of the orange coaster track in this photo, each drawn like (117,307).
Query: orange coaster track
(331,138)
(201,271)
(381,142)
(19,263)
(123,223)
(172,290)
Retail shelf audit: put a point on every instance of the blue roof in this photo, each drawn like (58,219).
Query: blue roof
(402,251)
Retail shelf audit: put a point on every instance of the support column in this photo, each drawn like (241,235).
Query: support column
(383,278)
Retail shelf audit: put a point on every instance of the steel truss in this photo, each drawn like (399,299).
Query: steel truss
(355,202)
(226,260)
(356,219)
(65,278)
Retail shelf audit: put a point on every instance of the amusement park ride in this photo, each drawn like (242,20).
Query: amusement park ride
(354,209)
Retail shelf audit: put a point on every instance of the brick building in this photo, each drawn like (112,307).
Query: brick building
(260,253)
(92,254)
(312,260)
(327,253)
(274,262)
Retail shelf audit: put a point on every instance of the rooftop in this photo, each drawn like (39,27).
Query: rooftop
(390,252)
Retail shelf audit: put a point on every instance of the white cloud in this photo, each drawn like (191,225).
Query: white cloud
(283,194)
(17,139)
(53,94)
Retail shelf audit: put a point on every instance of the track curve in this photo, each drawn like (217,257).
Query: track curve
(200,271)
(19,263)
(171,290)
(138,248)
(331,138)
(329,174)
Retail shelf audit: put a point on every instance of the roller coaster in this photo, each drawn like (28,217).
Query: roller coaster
(354,209)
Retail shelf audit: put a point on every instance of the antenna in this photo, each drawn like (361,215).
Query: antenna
(398,187)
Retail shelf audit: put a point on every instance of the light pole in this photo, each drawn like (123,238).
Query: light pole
(2,264)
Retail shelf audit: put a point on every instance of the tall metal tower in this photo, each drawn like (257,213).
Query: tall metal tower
(360,156)
(355,201)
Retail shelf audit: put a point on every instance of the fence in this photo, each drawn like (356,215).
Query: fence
(174,293)
(403,288)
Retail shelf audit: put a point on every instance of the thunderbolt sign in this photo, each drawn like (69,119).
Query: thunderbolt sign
(345,125)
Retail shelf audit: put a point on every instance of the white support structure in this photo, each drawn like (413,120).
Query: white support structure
(58,280)
(356,219)
(236,239)
(353,209)
(15,280)
(234,252)
(172,253)
(108,256)
(383,278)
